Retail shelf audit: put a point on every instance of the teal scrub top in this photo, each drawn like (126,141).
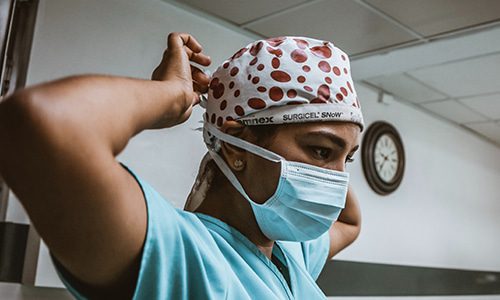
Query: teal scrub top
(195,256)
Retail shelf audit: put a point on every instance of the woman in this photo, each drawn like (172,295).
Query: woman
(282,120)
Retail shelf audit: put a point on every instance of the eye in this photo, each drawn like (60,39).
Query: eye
(320,152)
(349,159)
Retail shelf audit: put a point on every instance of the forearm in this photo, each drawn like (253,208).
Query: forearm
(49,130)
(347,227)
(105,110)
(351,214)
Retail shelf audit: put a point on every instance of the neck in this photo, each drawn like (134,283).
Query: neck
(225,203)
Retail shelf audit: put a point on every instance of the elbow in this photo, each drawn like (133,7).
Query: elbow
(17,112)
(356,230)
(20,119)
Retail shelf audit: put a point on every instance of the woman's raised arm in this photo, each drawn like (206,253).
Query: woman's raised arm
(59,142)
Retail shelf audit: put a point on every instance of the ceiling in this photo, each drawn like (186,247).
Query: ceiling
(442,56)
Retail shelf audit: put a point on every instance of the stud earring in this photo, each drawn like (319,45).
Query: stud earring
(238,164)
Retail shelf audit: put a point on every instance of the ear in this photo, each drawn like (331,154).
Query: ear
(235,157)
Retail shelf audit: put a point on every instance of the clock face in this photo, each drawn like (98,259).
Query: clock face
(383,157)
(386,158)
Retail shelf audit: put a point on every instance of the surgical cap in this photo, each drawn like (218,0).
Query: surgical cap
(284,80)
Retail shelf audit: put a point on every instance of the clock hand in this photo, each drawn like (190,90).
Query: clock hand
(381,165)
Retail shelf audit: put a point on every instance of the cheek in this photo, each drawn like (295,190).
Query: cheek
(261,178)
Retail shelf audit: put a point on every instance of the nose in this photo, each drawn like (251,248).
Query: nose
(338,165)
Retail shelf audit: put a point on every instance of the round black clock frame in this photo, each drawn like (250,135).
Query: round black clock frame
(372,135)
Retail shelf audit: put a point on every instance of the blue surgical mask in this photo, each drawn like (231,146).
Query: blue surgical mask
(307,200)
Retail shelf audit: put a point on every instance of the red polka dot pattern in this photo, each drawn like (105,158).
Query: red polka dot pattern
(234,71)
(281,71)
(324,66)
(239,53)
(256,103)
(256,48)
(276,93)
(291,93)
(302,44)
(276,52)
(239,110)
(223,105)
(298,55)
(276,41)
(319,100)
(336,71)
(217,89)
(349,86)
(322,51)
(280,76)
(324,92)
(344,91)
(275,62)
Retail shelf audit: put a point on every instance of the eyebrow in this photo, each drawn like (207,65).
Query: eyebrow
(333,138)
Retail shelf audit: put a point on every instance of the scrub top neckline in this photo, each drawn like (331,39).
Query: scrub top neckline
(230,231)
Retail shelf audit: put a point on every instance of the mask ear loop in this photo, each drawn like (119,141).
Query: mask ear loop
(203,100)
(257,150)
(212,146)
(204,97)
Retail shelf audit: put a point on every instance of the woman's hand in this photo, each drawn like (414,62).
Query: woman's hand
(190,81)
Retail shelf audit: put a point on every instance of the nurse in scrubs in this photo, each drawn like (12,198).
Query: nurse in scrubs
(271,203)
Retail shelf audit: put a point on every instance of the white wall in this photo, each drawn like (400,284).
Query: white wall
(444,214)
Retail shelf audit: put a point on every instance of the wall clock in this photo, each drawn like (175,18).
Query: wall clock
(383,157)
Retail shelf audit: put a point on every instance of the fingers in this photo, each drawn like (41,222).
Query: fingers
(176,40)
(199,76)
(199,88)
(201,58)
(184,41)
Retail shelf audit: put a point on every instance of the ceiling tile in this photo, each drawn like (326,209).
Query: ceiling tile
(464,78)
(352,27)
(490,130)
(406,88)
(430,17)
(454,111)
(488,105)
(241,11)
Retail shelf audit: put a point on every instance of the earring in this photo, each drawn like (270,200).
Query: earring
(238,164)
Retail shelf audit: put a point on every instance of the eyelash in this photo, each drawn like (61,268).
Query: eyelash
(314,149)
